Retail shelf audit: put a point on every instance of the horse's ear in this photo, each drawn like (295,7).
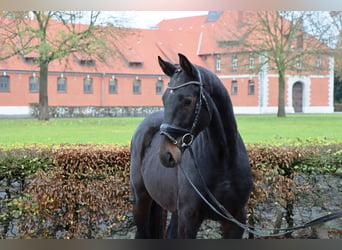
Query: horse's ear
(168,68)
(187,65)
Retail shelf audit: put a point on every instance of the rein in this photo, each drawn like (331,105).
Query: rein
(224,213)
(187,138)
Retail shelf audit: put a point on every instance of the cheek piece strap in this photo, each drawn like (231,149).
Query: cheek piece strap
(187,134)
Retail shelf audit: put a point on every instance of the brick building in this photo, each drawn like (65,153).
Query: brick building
(134,79)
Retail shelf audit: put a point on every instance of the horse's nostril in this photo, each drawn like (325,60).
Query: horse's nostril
(170,158)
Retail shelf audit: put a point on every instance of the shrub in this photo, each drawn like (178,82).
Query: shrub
(82,191)
(16,165)
(324,159)
(84,196)
(273,178)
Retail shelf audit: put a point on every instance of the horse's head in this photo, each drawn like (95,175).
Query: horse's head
(186,110)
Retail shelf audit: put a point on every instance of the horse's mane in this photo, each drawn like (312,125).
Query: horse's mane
(219,94)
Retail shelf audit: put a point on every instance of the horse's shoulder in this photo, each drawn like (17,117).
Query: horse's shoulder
(150,123)
(146,130)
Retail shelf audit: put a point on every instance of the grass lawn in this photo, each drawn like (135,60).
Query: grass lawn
(253,128)
(77,130)
(269,128)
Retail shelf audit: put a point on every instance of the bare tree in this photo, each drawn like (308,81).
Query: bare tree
(54,35)
(279,37)
(337,22)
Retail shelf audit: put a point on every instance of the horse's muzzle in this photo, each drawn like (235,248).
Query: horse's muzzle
(170,154)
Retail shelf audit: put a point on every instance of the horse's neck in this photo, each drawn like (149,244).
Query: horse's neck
(223,127)
(222,103)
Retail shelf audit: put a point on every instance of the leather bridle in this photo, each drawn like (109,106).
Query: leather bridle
(170,130)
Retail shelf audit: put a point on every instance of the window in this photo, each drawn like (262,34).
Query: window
(298,63)
(159,86)
(319,62)
(87,63)
(135,64)
(251,62)
(113,86)
(88,85)
(251,88)
(218,64)
(137,86)
(300,41)
(235,63)
(4,84)
(33,84)
(61,85)
(29,59)
(234,87)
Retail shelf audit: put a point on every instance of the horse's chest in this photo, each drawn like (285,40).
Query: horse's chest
(161,184)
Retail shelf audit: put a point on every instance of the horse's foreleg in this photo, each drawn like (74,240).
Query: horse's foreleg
(142,203)
(189,223)
(232,231)
(173,227)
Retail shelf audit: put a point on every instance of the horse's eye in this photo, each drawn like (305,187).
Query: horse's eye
(187,101)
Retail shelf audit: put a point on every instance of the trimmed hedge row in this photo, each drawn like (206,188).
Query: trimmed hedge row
(82,191)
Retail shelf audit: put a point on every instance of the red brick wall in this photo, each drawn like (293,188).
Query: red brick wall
(243,98)
(19,94)
(19,91)
(319,92)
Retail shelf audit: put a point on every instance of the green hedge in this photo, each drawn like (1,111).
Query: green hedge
(82,191)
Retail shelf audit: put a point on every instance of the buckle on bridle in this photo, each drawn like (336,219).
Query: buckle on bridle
(187,140)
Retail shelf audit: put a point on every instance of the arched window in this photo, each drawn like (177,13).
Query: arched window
(251,87)
(88,85)
(234,87)
(4,83)
(159,86)
(113,86)
(33,84)
(137,86)
(61,84)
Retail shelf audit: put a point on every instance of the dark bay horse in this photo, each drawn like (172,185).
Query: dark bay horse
(197,113)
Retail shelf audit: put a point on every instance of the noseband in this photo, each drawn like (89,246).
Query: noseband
(187,134)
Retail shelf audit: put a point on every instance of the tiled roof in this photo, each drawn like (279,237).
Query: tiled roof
(215,26)
(138,49)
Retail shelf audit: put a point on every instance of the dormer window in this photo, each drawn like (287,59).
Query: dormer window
(135,64)
(84,60)
(30,58)
(87,62)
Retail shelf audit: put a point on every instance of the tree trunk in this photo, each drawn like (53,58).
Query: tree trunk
(43,106)
(281,94)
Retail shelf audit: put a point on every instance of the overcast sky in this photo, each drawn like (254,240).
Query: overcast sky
(149,19)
